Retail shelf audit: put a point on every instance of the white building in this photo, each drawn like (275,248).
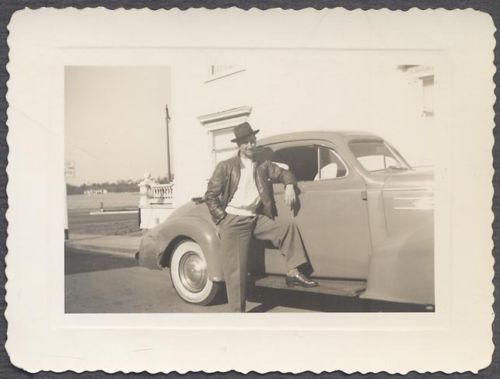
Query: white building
(289,92)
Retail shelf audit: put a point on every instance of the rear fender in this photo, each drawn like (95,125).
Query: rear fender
(157,245)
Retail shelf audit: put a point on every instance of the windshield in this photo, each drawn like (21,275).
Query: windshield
(377,155)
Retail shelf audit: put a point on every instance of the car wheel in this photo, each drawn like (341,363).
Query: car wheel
(188,270)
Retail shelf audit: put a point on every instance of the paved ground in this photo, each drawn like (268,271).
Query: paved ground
(114,244)
(101,283)
(113,283)
(102,276)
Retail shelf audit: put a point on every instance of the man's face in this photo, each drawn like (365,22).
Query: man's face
(247,146)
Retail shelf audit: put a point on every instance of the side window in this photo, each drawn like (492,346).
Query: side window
(311,162)
(302,161)
(331,166)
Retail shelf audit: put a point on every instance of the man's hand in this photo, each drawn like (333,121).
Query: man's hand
(290,197)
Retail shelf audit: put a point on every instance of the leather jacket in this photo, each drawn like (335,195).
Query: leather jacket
(224,182)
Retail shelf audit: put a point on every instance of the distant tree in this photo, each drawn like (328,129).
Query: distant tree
(128,185)
(163,179)
(118,186)
(73,190)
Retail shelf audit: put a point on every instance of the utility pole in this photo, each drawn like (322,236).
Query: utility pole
(167,119)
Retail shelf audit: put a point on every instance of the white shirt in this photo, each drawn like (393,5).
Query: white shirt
(246,199)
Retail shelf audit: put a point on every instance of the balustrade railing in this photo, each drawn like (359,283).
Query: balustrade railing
(161,191)
(155,193)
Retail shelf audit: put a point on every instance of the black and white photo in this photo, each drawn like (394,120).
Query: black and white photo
(188,189)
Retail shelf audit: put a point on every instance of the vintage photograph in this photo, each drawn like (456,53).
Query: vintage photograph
(285,187)
(225,184)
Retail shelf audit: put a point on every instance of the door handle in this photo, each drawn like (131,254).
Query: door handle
(364,195)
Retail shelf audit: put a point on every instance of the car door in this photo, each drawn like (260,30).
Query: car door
(331,213)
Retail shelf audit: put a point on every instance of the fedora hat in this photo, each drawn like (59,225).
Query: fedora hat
(243,130)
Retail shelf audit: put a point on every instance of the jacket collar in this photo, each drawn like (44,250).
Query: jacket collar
(235,160)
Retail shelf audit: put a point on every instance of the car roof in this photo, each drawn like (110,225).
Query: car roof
(334,136)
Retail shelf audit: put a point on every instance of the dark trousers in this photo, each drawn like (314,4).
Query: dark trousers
(236,233)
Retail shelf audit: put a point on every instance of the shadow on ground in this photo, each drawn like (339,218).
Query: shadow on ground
(76,262)
(270,298)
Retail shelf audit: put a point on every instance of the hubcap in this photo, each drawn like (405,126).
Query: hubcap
(193,272)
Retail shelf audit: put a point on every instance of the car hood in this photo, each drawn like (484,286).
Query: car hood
(417,178)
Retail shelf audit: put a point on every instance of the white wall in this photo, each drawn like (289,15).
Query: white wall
(190,142)
(289,92)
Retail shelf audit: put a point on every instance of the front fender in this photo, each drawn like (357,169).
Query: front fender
(158,244)
(402,268)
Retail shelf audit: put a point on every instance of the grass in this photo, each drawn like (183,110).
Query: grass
(80,220)
(109,201)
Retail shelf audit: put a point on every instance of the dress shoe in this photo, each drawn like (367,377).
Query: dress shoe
(300,279)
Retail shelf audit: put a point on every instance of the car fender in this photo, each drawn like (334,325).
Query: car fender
(158,244)
(402,268)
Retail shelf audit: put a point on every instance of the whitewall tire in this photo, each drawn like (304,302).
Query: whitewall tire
(189,273)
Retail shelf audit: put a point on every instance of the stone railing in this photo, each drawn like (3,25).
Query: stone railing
(154,193)
(162,191)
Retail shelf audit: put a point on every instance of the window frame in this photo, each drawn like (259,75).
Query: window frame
(212,77)
(347,170)
(317,144)
(214,150)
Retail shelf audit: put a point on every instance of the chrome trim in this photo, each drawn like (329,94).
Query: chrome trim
(408,198)
(414,203)
(193,272)
(412,209)
(427,189)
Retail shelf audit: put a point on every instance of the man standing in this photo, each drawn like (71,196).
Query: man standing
(239,199)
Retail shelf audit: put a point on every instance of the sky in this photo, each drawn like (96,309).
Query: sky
(115,126)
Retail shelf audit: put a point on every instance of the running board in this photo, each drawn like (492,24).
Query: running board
(326,286)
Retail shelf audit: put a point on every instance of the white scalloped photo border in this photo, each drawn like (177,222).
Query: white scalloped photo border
(457,337)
